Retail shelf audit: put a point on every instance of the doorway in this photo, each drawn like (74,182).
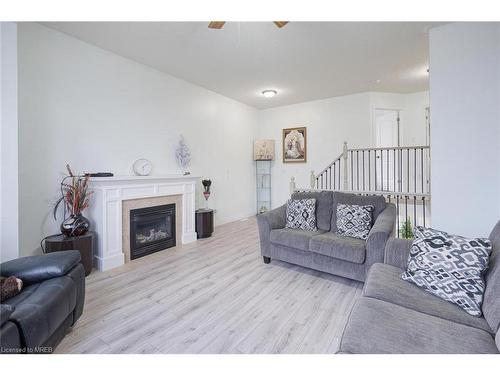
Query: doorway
(387,136)
(387,130)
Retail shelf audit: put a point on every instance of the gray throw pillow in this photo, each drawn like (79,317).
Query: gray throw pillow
(301,214)
(354,220)
(450,267)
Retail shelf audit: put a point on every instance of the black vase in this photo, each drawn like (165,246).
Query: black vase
(75,225)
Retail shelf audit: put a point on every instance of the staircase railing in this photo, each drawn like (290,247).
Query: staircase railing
(400,174)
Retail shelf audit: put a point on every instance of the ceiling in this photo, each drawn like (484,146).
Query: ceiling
(303,61)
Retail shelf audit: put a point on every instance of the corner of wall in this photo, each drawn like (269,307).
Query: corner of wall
(9,193)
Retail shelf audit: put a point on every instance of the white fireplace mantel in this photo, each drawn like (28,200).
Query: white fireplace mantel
(105,212)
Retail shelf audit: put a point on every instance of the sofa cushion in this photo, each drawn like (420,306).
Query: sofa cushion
(376,326)
(37,268)
(296,238)
(41,308)
(491,303)
(449,266)
(384,282)
(301,214)
(344,248)
(377,201)
(354,220)
(324,206)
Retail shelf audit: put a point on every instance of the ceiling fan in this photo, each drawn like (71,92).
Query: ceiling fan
(220,24)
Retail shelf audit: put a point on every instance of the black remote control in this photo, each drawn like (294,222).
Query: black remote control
(101,174)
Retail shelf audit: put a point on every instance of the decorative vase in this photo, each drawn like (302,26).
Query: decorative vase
(75,225)
(206,191)
(206,194)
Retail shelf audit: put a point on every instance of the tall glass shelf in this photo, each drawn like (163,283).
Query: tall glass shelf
(263,179)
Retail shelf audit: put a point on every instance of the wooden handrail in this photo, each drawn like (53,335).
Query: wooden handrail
(385,193)
(390,148)
(328,166)
(370,149)
(400,174)
(378,168)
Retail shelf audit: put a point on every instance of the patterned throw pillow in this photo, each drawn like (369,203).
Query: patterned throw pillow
(354,221)
(9,287)
(450,267)
(301,214)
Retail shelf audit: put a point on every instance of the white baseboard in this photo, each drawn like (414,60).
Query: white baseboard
(106,263)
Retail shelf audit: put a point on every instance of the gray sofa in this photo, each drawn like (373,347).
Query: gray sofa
(323,250)
(394,316)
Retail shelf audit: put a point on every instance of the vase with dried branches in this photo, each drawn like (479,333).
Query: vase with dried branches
(75,197)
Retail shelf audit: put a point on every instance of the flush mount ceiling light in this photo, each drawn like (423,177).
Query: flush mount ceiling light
(269,93)
(220,24)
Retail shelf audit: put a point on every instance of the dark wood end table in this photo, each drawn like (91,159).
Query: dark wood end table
(204,222)
(84,244)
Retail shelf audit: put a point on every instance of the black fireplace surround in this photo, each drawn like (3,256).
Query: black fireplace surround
(152,229)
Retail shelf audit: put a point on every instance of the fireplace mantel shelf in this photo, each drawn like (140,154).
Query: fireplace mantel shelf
(105,211)
(173,177)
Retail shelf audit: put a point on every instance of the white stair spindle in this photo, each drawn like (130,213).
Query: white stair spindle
(344,156)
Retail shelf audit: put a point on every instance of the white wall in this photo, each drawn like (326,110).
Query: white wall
(414,122)
(465,127)
(9,203)
(329,123)
(97,111)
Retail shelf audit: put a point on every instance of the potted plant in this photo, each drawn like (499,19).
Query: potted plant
(406,229)
(75,196)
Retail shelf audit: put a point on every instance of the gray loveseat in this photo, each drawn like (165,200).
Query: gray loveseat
(394,316)
(323,250)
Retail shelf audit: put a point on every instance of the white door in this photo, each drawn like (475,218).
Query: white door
(427,166)
(427,126)
(386,124)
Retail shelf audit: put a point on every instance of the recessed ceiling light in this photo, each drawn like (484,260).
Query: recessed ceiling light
(378,81)
(269,93)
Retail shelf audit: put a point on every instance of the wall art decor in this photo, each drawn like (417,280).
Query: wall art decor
(263,149)
(295,145)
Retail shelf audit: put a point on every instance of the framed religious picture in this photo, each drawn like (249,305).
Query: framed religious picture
(295,145)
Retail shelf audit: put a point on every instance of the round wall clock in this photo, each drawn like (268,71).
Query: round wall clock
(142,167)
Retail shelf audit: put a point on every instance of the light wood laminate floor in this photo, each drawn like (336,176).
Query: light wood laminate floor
(212,296)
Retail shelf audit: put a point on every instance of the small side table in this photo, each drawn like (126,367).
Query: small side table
(204,222)
(84,244)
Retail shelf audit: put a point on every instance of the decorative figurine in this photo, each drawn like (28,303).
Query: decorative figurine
(183,155)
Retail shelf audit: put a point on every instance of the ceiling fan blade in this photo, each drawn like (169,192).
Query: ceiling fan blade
(216,24)
(280,24)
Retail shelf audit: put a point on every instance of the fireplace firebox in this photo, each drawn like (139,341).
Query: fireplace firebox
(152,229)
